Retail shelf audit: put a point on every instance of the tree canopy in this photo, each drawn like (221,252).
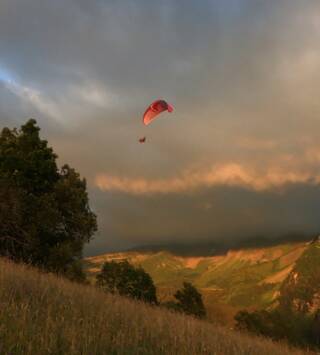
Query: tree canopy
(188,300)
(127,280)
(45,217)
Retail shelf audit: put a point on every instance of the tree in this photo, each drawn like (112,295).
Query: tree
(273,324)
(127,280)
(315,329)
(45,217)
(13,240)
(189,301)
(278,323)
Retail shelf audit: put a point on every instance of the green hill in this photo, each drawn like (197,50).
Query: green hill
(246,278)
(43,314)
(300,291)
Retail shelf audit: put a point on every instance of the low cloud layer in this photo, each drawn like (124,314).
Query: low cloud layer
(225,175)
(243,76)
(219,216)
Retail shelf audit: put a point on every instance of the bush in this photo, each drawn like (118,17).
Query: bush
(188,300)
(127,280)
(297,328)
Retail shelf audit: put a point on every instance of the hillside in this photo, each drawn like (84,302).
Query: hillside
(300,291)
(43,314)
(249,278)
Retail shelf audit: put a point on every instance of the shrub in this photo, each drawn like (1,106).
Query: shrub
(188,300)
(127,280)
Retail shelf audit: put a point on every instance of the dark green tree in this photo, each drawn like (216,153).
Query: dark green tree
(127,280)
(45,217)
(277,324)
(13,239)
(248,321)
(273,324)
(189,301)
(315,329)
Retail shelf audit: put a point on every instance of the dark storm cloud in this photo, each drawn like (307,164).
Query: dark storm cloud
(224,216)
(243,76)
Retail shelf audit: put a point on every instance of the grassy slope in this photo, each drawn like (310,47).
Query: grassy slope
(303,283)
(243,278)
(42,314)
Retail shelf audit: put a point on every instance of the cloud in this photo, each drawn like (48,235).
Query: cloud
(224,175)
(71,103)
(243,76)
(35,98)
(219,215)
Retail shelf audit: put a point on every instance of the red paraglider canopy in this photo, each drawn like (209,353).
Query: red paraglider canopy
(155,109)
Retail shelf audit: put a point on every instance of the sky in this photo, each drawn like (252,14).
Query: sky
(238,158)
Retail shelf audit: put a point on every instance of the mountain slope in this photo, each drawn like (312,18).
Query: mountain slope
(300,291)
(239,278)
(43,314)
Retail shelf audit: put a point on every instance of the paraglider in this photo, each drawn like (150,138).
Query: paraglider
(153,111)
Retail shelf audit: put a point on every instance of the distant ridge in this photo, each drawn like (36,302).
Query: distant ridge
(221,248)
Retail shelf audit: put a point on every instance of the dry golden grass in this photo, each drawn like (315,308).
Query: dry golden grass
(43,314)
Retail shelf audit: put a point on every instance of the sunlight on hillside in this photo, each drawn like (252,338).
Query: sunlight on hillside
(42,314)
(240,278)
